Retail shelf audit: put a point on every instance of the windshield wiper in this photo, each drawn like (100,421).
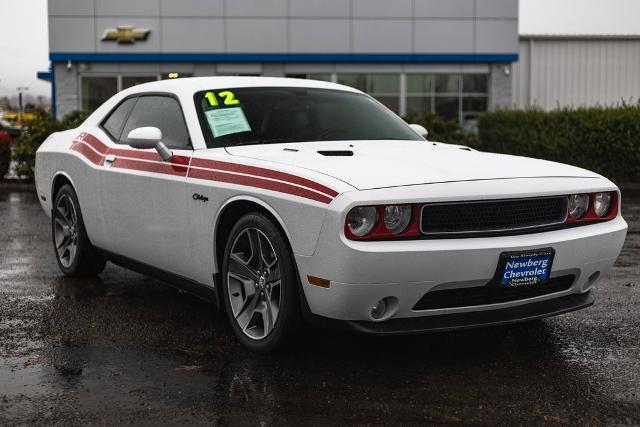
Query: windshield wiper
(268,141)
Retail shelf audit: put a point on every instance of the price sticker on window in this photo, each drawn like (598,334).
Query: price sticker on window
(227,121)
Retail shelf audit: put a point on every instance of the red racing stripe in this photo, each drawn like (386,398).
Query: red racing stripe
(94,142)
(179,166)
(148,155)
(132,153)
(250,181)
(88,153)
(262,172)
(138,165)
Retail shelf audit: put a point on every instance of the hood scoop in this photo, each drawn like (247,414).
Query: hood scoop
(336,153)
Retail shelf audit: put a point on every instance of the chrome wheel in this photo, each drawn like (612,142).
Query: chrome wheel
(65,220)
(254,283)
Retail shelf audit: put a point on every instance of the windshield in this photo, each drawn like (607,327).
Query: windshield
(269,115)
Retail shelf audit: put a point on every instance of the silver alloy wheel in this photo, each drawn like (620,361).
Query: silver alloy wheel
(254,283)
(66,230)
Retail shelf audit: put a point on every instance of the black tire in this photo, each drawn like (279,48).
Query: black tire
(86,260)
(288,316)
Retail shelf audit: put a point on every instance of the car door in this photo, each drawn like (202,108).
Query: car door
(144,197)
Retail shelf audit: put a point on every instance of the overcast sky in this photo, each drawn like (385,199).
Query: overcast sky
(24,38)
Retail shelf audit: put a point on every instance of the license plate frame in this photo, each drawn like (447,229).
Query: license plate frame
(537,257)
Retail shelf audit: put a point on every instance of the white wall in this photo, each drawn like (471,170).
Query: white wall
(554,72)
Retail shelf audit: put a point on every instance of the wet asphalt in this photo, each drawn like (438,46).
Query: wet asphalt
(129,349)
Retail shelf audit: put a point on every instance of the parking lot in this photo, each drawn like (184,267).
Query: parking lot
(126,348)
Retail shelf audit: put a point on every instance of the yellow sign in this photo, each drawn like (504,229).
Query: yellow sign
(125,34)
(17,118)
(228,96)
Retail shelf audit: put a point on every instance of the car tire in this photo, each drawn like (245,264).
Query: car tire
(74,252)
(260,284)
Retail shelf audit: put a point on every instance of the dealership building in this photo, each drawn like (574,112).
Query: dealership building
(452,57)
(576,70)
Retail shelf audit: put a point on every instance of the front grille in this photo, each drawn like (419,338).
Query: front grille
(492,217)
(490,294)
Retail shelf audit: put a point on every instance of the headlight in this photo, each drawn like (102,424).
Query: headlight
(602,204)
(361,220)
(578,205)
(397,218)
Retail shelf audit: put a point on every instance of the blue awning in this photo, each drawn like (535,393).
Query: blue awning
(44,75)
(285,57)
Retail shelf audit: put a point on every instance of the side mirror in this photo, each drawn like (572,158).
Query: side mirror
(420,130)
(149,137)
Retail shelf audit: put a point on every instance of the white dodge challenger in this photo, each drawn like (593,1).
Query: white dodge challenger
(292,201)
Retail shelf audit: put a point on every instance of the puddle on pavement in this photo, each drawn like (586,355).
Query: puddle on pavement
(18,197)
(79,288)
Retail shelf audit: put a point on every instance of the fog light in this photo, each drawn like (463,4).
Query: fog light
(379,309)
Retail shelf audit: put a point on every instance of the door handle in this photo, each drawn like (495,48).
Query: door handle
(110,158)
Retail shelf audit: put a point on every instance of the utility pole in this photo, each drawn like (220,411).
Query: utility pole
(21,89)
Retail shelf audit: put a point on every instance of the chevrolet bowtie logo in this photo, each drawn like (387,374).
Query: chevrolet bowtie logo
(125,34)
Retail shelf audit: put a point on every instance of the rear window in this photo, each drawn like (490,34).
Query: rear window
(115,122)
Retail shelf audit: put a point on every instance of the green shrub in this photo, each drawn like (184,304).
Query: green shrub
(5,153)
(74,119)
(604,140)
(35,132)
(448,131)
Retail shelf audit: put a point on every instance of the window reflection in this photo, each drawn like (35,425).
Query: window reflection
(458,97)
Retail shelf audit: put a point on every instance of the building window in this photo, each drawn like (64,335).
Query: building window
(419,93)
(383,87)
(96,90)
(459,97)
(357,81)
(447,84)
(130,81)
(475,99)
(325,77)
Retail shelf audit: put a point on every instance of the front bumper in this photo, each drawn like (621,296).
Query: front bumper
(362,273)
(476,319)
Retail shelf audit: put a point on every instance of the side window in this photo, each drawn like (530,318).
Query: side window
(115,122)
(162,112)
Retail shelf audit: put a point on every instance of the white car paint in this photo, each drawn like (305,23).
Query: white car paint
(152,217)
(409,269)
(380,164)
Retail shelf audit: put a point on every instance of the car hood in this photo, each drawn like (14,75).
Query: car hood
(380,164)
